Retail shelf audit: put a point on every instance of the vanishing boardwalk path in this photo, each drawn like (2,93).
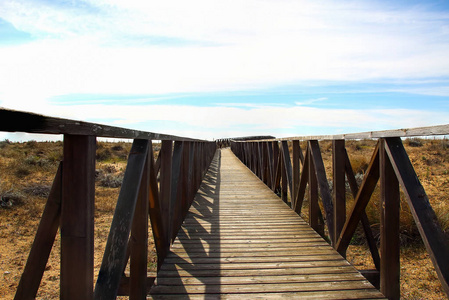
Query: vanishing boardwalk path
(239,240)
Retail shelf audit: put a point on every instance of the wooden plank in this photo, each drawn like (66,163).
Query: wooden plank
(297,153)
(434,238)
(276,168)
(138,241)
(389,227)
(259,272)
(165,186)
(314,208)
(326,197)
(19,121)
(266,288)
(154,210)
(288,167)
(200,280)
(339,190)
(372,244)
(408,132)
(302,184)
(175,204)
(77,217)
(364,195)
(269,157)
(43,242)
(114,257)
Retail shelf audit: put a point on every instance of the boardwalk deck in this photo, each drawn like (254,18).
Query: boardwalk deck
(240,241)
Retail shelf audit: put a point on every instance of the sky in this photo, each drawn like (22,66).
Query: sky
(213,69)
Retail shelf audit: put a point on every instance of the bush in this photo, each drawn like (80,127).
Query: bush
(103,154)
(111,180)
(38,190)
(9,199)
(414,142)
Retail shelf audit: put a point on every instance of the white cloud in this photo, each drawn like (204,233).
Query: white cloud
(310,101)
(165,47)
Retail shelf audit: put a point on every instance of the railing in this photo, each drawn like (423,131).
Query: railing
(181,165)
(289,173)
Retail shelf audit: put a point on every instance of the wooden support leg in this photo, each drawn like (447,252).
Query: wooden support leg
(114,258)
(43,242)
(389,243)
(339,191)
(77,217)
(139,240)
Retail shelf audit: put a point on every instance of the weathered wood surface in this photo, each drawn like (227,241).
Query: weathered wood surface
(19,121)
(239,240)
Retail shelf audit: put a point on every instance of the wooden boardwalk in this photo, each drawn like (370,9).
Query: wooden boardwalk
(240,241)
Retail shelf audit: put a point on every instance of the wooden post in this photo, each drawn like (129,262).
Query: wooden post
(115,253)
(77,217)
(176,176)
(165,186)
(339,191)
(389,227)
(296,170)
(139,239)
(313,195)
(157,224)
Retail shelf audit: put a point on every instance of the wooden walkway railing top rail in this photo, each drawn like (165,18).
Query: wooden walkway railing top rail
(298,175)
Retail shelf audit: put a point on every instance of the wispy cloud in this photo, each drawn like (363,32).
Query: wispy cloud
(311,101)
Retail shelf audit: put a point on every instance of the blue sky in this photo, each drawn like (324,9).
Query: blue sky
(212,69)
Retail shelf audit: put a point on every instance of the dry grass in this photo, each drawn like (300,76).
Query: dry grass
(26,174)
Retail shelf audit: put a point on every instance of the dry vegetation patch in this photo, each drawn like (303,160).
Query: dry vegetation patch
(27,171)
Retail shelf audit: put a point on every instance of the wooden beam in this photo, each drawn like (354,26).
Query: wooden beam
(339,190)
(77,217)
(43,242)
(139,238)
(372,245)
(314,208)
(165,186)
(364,195)
(406,132)
(389,228)
(288,167)
(296,166)
(433,237)
(320,175)
(175,208)
(114,257)
(19,121)
(299,198)
(155,212)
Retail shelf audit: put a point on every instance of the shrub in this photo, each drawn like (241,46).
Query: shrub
(10,198)
(111,180)
(103,154)
(415,142)
(38,190)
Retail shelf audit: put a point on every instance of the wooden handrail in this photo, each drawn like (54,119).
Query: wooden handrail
(407,132)
(389,164)
(19,121)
